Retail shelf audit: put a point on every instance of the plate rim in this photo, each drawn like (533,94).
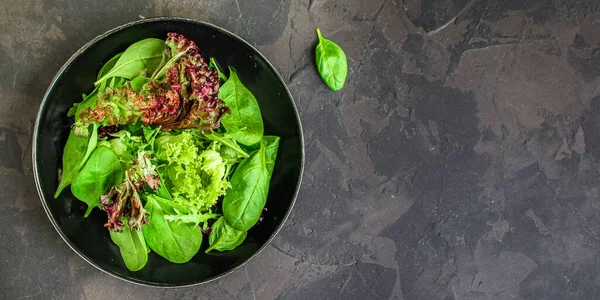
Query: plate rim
(43,106)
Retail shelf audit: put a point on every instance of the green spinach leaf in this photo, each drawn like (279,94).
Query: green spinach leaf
(145,54)
(176,241)
(108,65)
(73,155)
(224,237)
(132,246)
(243,203)
(331,62)
(101,172)
(92,143)
(245,123)
(272,143)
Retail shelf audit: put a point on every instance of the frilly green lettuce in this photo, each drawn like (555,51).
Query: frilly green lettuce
(196,175)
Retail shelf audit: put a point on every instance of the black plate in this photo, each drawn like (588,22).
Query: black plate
(88,237)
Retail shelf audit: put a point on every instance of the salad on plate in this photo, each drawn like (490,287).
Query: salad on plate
(172,149)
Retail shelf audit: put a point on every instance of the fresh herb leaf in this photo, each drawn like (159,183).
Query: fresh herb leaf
(101,172)
(224,237)
(245,123)
(243,203)
(145,54)
(176,241)
(132,246)
(215,65)
(331,62)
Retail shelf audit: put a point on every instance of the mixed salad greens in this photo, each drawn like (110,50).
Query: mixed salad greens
(147,147)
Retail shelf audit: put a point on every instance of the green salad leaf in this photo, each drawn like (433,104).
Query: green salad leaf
(125,145)
(243,203)
(224,237)
(331,62)
(178,242)
(145,54)
(108,65)
(244,124)
(229,143)
(195,176)
(132,246)
(92,143)
(73,155)
(101,172)
(137,83)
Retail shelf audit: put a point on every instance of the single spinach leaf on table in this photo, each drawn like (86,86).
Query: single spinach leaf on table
(101,172)
(73,154)
(108,65)
(244,202)
(224,237)
(145,54)
(244,124)
(331,62)
(132,246)
(178,242)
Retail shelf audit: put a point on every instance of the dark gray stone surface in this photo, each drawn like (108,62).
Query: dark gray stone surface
(458,162)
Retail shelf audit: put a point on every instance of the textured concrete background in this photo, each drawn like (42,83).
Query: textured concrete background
(457,163)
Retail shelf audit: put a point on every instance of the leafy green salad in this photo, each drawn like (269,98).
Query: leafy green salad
(171,149)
